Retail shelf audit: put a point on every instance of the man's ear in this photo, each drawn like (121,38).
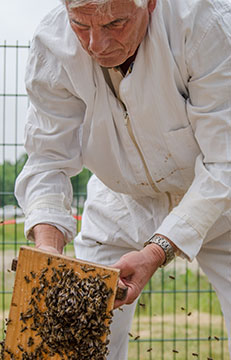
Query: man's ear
(151,5)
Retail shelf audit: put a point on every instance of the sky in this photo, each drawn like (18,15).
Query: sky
(19,18)
(18,21)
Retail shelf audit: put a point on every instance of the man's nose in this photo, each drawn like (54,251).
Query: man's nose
(98,41)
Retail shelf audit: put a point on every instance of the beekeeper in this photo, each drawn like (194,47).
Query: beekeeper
(139,92)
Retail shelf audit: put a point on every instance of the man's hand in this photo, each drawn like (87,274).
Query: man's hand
(48,238)
(136,268)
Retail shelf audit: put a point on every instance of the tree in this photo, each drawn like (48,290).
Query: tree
(9,171)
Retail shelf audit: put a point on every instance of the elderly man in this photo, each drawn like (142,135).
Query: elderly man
(139,92)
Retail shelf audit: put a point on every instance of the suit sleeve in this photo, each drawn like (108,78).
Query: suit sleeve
(208,199)
(53,145)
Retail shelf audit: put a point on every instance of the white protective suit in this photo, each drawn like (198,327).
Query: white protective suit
(164,164)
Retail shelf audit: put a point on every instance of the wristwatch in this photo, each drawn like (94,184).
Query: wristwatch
(165,245)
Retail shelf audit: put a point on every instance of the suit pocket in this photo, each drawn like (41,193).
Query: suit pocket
(184,149)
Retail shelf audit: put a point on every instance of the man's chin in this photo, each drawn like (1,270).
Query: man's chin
(109,62)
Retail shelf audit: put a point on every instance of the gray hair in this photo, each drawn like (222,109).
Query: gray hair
(77,3)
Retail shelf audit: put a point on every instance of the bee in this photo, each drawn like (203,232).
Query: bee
(172,277)
(20,348)
(23,329)
(44,270)
(8,321)
(38,297)
(86,269)
(32,301)
(27,280)
(107,276)
(30,341)
(33,274)
(34,290)
(62,265)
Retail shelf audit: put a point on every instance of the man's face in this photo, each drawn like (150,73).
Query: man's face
(110,33)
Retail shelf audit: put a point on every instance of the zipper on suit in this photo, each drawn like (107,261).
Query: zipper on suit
(148,175)
(109,81)
(131,134)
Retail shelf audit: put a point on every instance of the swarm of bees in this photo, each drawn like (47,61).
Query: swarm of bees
(73,319)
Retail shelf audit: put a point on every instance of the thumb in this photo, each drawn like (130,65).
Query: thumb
(121,285)
(121,294)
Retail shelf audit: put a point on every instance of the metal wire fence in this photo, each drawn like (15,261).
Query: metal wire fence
(178,315)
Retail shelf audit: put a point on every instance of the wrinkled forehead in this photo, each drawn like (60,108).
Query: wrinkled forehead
(76,3)
(112,8)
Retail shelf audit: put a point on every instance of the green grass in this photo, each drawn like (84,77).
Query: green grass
(184,340)
(189,290)
(179,311)
(11,237)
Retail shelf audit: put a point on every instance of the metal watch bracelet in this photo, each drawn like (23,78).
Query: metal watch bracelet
(165,245)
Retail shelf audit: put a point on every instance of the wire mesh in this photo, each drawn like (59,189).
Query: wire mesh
(178,315)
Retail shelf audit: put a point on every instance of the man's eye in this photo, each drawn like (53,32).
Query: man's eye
(116,24)
(80,26)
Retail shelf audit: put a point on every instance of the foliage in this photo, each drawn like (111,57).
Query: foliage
(8,174)
(79,182)
(9,171)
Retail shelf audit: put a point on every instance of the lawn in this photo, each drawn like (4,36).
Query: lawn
(168,335)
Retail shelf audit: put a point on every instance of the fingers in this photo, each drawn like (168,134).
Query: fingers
(132,293)
(121,289)
(136,268)
(130,298)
